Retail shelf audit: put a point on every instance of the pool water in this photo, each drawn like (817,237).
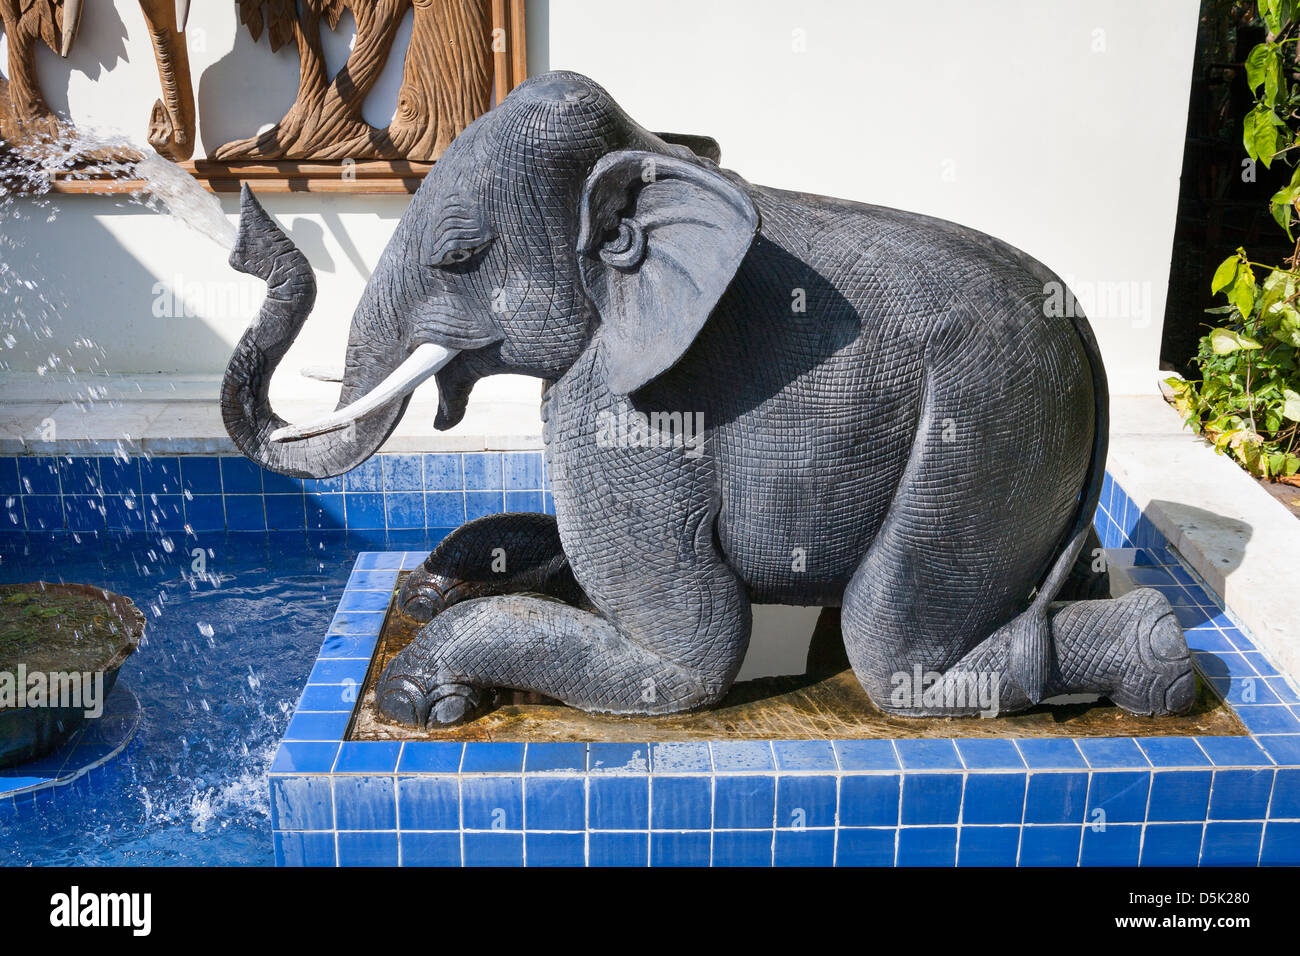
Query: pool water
(234,625)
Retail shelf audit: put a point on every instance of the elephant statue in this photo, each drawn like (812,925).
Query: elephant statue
(750,396)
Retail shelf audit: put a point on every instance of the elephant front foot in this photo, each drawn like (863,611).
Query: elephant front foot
(1158,678)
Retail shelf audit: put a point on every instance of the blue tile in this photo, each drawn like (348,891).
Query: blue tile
(359,848)
(1240,794)
(429,802)
(1118,797)
(43,512)
(869,800)
(1047,753)
(364,803)
(555,849)
(805,801)
(122,513)
(618,802)
(1172,844)
(1231,844)
(9,482)
(239,476)
(990,754)
(317,726)
(479,504)
(742,847)
(369,756)
(323,485)
(354,622)
(39,476)
(378,579)
(927,846)
(524,501)
(430,849)
(483,471)
(402,472)
(523,471)
(200,476)
(325,511)
(164,512)
(1281,844)
(733,755)
(555,803)
(930,798)
(682,803)
(1050,846)
(79,476)
(305,757)
(301,803)
(83,512)
(866,755)
(245,513)
(363,602)
(445,509)
(1056,798)
(404,509)
(300,848)
(162,476)
(804,754)
(928,755)
(491,803)
(443,473)
(1111,752)
(556,757)
(1286,795)
(804,848)
(680,757)
(430,757)
(678,848)
(365,511)
(618,849)
(495,757)
(277,484)
(618,758)
(379,561)
(862,847)
(1234,752)
(1173,752)
(1180,796)
(743,802)
(205,513)
(368,476)
(1269,720)
(285,513)
(494,849)
(988,846)
(993,798)
(1111,845)
(338,672)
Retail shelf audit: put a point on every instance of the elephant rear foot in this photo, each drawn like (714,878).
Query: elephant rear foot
(509,553)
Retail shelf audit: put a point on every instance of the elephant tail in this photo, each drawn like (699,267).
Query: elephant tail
(1031,650)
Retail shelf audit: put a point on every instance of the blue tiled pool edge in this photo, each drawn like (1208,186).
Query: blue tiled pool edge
(1042,801)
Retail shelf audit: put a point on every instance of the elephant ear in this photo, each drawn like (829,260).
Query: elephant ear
(659,241)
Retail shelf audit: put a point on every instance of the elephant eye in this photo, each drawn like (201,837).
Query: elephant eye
(460,254)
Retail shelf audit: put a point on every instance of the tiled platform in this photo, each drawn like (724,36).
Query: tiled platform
(1064,801)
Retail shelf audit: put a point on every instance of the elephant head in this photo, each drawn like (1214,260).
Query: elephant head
(553,224)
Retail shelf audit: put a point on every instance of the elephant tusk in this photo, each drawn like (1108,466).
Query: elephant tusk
(182,14)
(419,366)
(71,20)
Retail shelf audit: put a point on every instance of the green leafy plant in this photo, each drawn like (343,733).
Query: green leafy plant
(1247,401)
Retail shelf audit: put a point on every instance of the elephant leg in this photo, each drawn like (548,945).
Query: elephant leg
(940,602)
(669,635)
(496,554)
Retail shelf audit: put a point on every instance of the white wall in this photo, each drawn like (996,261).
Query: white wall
(1055,124)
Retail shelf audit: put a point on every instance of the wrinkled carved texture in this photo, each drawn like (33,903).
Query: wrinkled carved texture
(884,418)
(446,80)
(171,121)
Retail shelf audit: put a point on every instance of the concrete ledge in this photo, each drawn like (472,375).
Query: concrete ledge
(1245,544)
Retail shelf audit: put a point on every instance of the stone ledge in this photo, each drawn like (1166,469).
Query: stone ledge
(1234,534)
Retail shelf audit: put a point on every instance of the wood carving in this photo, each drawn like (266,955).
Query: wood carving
(446,79)
(26,120)
(171,123)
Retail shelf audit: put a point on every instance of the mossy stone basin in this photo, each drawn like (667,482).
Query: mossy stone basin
(56,629)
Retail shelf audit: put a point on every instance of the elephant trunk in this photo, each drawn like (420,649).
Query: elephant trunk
(263,250)
(171,122)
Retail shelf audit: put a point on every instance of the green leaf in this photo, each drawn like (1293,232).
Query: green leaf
(1259,134)
(1225,274)
(1271,11)
(1226,341)
(1242,293)
(1256,61)
(1290,405)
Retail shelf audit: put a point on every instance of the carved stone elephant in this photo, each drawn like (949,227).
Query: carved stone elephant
(752,396)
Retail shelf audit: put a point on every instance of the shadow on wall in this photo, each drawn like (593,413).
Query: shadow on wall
(100,45)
